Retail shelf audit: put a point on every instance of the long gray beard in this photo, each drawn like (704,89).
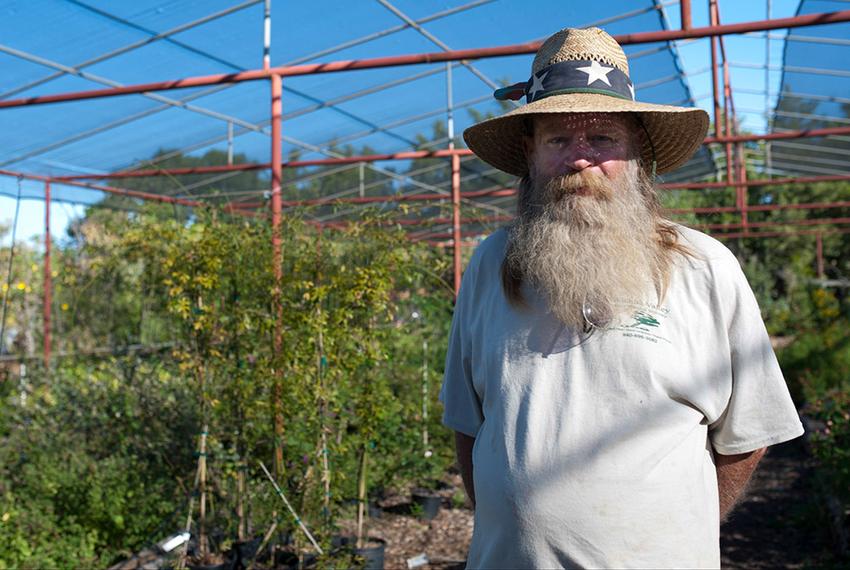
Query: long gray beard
(589,255)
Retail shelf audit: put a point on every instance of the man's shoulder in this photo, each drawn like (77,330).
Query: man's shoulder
(706,249)
(490,252)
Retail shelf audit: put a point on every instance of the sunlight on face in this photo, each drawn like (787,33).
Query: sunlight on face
(567,143)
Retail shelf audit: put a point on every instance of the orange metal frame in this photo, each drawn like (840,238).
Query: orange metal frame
(722,135)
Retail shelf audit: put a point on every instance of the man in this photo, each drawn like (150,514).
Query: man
(609,377)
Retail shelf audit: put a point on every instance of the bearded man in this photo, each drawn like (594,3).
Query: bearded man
(609,377)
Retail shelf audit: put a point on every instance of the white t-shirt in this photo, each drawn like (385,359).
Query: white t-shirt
(597,452)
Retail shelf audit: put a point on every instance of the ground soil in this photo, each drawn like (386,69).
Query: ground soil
(781,523)
(778,525)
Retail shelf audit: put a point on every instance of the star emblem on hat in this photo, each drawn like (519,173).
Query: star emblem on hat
(537,85)
(596,72)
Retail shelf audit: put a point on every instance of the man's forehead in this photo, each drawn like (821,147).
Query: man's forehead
(613,122)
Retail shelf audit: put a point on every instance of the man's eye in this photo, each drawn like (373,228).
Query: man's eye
(603,139)
(558,141)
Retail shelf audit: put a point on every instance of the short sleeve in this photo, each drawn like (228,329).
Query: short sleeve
(760,411)
(461,404)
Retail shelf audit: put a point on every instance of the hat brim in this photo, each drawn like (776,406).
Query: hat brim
(676,132)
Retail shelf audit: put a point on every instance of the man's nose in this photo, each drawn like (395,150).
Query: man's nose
(579,155)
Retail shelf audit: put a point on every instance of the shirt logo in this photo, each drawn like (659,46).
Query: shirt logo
(646,323)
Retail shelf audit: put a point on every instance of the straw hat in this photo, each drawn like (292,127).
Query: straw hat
(585,71)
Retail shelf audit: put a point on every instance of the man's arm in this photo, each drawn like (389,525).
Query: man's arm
(463,445)
(733,473)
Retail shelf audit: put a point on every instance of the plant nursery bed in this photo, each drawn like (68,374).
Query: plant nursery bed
(444,540)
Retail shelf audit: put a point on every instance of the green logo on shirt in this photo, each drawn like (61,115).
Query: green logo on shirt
(645,319)
(646,323)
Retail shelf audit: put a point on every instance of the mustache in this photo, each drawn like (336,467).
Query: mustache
(579,182)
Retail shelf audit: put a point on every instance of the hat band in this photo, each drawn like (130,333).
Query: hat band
(576,76)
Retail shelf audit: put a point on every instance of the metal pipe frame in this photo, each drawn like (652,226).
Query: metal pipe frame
(738,235)
(685,11)
(409,155)
(785,223)
(507,192)
(720,236)
(276,74)
(109,189)
(426,58)
(277,261)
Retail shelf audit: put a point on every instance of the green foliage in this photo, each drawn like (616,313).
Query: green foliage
(831,438)
(82,496)
(98,459)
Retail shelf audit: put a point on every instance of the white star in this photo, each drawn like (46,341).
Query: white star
(596,72)
(537,84)
(632,89)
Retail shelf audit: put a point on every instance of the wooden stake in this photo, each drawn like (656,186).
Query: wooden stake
(361,497)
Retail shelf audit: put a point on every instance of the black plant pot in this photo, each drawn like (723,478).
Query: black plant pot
(372,553)
(226,565)
(429,502)
(375,510)
(246,550)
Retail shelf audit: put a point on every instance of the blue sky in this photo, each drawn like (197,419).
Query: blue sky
(694,58)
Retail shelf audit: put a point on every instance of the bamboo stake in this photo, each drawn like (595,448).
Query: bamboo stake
(326,471)
(203,545)
(240,501)
(291,510)
(320,367)
(266,538)
(188,528)
(361,497)
(425,397)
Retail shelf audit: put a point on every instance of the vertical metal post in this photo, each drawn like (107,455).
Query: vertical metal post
(727,111)
(685,9)
(768,166)
(742,186)
(450,128)
(48,285)
(267,34)
(458,265)
(819,241)
(277,260)
(362,179)
(229,143)
(450,111)
(715,81)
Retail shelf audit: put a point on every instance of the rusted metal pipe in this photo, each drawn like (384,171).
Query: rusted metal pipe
(456,233)
(685,11)
(805,133)
(741,189)
(752,183)
(715,80)
(107,189)
(407,155)
(807,222)
(425,58)
(277,261)
(737,235)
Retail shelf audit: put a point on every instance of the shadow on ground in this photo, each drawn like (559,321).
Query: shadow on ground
(779,524)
